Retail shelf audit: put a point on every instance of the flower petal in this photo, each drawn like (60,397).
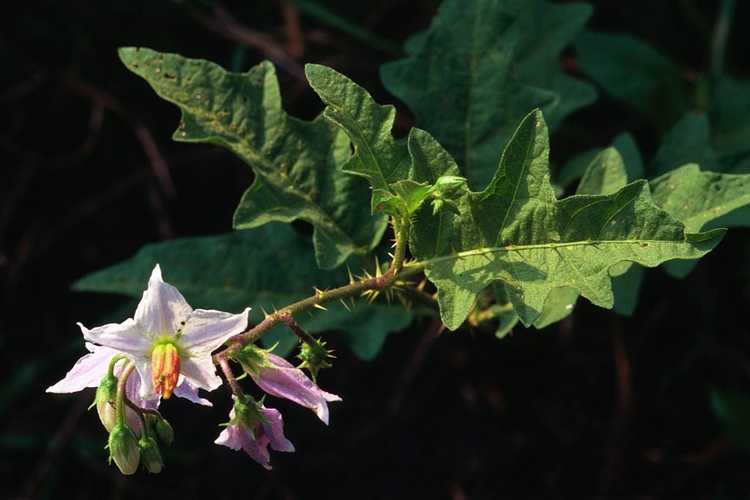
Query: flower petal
(205,331)
(187,391)
(200,371)
(273,427)
(162,308)
(231,437)
(87,372)
(146,392)
(257,449)
(126,337)
(283,380)
(133,390)
(237,437)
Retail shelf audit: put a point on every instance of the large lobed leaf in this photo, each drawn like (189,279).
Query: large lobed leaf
(518,232)
(481,67)
(265,268)
(297,164)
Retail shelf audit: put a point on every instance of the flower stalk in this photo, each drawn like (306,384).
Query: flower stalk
(381,282)
(122,381)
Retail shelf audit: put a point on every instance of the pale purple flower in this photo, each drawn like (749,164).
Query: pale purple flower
(91,368)
(280,378)
(169,342)
(268,431)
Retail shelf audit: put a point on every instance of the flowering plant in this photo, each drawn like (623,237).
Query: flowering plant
(480,233)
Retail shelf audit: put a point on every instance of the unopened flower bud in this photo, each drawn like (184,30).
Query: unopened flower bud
(123,449)
(314,357)
(150,455)
(105,401)
(163,429)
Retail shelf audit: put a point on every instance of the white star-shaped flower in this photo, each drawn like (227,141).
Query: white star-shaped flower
(169,342)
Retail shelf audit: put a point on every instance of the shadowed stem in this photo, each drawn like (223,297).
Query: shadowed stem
(720,36)
(229,375)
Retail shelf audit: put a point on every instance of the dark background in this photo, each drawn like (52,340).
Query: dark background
(595,405)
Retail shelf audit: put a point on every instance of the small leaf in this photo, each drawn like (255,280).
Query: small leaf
(575,167)
(605,175)
(297,164)
(378,157)
(700,199)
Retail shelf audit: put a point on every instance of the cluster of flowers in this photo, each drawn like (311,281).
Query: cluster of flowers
(167,349)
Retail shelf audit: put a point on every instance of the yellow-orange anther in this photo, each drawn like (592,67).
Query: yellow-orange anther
(165,369)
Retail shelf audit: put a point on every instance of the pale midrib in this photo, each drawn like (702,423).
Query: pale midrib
(541,246)
(365,143)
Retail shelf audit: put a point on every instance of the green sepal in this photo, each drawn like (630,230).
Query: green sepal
(124,449)
(150,454)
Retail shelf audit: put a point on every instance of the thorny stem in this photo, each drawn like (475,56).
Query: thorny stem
(122,381)
(305,337)
(323,297)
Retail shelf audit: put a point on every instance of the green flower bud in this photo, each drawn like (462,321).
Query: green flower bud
(163,429)
(150,455)
(314,357)
(123,449)
(105,401)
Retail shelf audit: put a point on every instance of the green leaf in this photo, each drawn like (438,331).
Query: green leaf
(297,164)
(733,412)
(634,72)
(700,199)
(516,231)
(626,285)
(730,115)
(507,318)
(481,67)
(575,167)
(378,157)
(265,268)
(689,141)
(606,174)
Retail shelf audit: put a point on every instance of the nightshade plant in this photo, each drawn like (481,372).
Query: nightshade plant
(480,233)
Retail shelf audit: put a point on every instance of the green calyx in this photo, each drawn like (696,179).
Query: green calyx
(105,401)
(160,427)
(247,413)
(150,454)
(123,449)
(314,357)
(252,358)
